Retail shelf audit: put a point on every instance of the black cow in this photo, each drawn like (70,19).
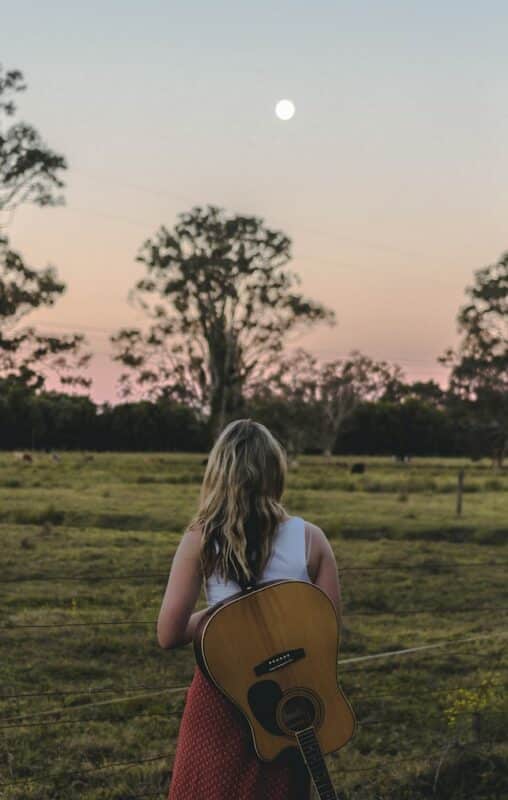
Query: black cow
(357,469)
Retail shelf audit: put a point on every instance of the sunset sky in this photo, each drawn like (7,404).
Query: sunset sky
(390,179)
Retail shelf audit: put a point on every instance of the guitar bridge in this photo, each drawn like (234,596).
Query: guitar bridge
(279,660)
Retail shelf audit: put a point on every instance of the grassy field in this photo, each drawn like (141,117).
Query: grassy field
(87,707)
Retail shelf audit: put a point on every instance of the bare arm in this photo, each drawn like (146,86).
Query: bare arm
(322,566)
(176,623)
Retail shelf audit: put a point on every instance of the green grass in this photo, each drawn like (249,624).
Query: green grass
(435,577)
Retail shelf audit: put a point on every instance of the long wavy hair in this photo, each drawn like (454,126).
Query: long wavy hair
(240,502)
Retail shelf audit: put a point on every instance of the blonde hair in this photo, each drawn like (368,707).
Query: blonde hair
(239,507)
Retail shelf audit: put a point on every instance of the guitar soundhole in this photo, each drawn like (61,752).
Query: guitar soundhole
(298,711)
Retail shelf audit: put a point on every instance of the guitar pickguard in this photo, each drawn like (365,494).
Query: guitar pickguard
(263,698)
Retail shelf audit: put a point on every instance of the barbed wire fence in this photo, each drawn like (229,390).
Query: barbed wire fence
(129,693)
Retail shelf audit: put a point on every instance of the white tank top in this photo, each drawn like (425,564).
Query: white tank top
(287,560)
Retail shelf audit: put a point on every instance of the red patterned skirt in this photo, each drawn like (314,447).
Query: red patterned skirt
(215,758)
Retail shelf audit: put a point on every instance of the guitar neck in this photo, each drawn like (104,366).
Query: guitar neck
(315,763)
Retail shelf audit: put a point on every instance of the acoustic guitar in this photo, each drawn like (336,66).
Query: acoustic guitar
(272,650)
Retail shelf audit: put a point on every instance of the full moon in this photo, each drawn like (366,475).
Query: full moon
(285,109)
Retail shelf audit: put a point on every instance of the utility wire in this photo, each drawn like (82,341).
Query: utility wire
(51,723)
(422,757)
(87,690)
(127,764)
(433,569)
(176,689)
(92,769)
(346,614)
(21,721)
(431,646)
(445,690)
(438,566)
(90,690)
(168,716)
(116,701)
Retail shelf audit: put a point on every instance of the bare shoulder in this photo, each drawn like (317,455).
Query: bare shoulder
(190,543)
(316,536)
(319,550)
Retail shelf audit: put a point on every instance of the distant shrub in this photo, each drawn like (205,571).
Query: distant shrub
(52,515)
(494,485)
(463,702)
(375,486)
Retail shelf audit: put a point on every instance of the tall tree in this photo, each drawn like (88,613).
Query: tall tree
(26,356)
(30,172)
(322,396)
(286,398)
(221,303)
(479,366)
(344,384)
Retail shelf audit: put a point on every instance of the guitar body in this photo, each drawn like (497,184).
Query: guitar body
(273,652)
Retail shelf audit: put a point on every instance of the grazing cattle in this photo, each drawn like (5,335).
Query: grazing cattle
(358,468)
(27,457)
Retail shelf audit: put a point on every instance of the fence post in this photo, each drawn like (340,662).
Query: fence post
(460,489)
(477,726)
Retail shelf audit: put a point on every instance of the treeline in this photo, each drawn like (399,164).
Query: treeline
(221,306)
(55,421)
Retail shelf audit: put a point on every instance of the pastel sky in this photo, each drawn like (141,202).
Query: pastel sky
(391,179)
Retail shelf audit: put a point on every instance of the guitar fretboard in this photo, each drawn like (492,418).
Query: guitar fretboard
(313,757)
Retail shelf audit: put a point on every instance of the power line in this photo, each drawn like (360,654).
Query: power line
(186,198)
(431,363)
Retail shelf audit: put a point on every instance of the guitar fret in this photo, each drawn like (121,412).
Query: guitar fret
(314,759)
